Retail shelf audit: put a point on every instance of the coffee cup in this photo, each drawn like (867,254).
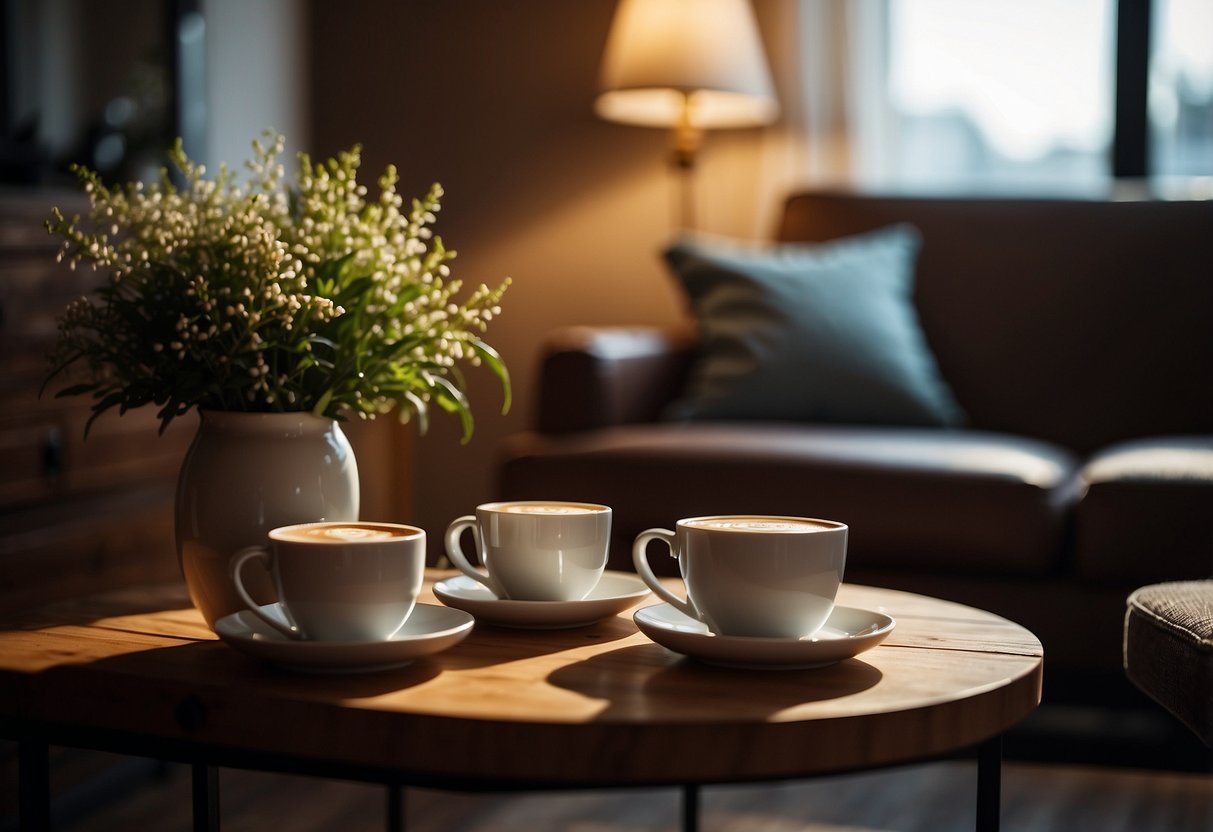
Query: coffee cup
(339,580)
(534,550)
(752,575)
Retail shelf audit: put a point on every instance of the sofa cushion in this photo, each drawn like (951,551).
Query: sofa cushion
(1082,322)
(975,503)
(810,332)
(1147,515)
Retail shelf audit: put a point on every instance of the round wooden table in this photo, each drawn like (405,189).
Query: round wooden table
(594,706)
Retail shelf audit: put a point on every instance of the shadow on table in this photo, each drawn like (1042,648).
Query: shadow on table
(206,669)
(647,678)
(489,644)
(169,600)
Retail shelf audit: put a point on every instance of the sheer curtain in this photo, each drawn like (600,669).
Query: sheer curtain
(829,60)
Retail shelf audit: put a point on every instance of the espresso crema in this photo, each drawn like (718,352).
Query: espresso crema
(765,525)
(346,533)
(549,508)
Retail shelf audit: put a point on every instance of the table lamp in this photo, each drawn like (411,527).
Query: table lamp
(689,66)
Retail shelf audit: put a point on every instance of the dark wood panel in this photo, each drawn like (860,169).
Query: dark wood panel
(77,516)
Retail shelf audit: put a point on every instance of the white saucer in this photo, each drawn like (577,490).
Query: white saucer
(429,629)
(847,632)
(616,591)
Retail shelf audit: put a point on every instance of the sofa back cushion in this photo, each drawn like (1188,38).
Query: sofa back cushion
(1082,322)
(809,332)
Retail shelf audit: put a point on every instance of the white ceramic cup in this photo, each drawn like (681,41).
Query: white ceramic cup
(339,580)
(535,550)
(752,575)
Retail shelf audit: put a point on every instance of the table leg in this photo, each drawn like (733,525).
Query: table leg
(690,808)
(34,785)
(989,784)
(206,798)
(395,808)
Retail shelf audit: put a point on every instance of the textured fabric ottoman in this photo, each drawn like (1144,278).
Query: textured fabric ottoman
(1168,649)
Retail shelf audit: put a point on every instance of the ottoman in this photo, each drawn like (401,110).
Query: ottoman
(1168,649)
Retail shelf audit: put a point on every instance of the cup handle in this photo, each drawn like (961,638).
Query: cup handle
(455,552)
(238,561)
(641,560)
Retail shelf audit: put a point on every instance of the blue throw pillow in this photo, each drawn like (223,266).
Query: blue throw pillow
(814,332)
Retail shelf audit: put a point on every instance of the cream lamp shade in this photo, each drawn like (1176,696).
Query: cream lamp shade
(690,65)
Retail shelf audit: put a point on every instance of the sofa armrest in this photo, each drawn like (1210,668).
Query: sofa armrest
(594,377)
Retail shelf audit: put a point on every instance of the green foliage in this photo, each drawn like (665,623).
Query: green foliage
(264,297)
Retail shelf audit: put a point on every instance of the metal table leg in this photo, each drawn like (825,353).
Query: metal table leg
(690,808)
(206,798)
(989,784)
(395,808)
(34,785)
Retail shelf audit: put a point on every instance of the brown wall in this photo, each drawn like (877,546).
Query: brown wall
(494,100)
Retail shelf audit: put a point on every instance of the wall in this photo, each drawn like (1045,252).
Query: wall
(257,71)
(494,100)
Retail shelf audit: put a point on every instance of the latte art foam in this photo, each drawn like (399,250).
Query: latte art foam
(773,525)
(547,508)
(346,533)
(350,533)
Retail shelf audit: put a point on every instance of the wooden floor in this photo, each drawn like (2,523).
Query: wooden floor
(937,797)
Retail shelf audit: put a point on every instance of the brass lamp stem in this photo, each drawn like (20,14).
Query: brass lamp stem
(686,140)
(687,137)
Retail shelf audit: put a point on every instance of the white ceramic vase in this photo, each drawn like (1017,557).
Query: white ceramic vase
(247,473)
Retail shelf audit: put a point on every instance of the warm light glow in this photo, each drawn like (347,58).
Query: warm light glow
(670,62)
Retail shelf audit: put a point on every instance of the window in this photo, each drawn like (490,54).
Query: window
(1181,88)
(1035,94)
(1007,93)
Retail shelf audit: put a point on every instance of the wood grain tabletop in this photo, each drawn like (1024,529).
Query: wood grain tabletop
(596,705)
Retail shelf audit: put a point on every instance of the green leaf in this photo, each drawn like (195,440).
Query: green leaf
(76,390)
(418,407)
(451,399)
(354,293)
(100,407)
(323,403)
(492,359)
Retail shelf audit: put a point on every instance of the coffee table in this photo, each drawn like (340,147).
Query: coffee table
(138,672)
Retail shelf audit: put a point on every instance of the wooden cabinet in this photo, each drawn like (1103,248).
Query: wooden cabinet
(76,516)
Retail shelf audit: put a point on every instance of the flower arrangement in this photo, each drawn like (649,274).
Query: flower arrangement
(266,298)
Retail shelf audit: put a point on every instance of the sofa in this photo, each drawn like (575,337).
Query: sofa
(1068,462)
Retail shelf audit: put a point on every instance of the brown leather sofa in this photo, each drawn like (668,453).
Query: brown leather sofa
(1076,334)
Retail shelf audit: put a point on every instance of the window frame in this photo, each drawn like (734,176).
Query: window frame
(1131,117)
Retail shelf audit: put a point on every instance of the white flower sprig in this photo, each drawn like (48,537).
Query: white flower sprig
(267,298)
